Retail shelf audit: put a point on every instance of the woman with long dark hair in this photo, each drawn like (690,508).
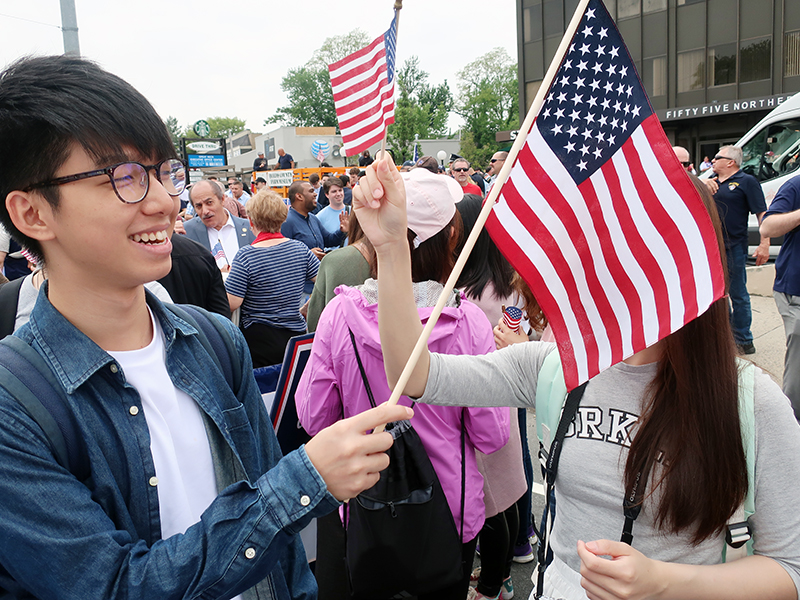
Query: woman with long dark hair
(671,410)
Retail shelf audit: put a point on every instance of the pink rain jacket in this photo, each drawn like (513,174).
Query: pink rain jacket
(331,386)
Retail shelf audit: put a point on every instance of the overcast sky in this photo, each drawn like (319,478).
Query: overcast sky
(195,59)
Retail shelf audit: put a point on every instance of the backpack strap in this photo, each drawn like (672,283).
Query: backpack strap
(26,377)
(29,380)
(9,302)
(215,339)
(550,458)
(738,535)
(551,393)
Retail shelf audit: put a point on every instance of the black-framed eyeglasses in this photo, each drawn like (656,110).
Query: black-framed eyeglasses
(461,170)
(720,157)
(686,163)
(130,180)
(494,160)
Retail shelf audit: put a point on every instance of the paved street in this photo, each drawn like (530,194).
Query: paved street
(770,344)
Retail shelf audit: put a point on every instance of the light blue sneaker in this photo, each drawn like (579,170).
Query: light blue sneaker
(507,591)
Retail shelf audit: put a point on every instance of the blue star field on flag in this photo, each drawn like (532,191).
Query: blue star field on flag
(596,100)
(390,41)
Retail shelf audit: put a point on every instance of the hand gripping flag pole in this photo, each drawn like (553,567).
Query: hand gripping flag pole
(538,100)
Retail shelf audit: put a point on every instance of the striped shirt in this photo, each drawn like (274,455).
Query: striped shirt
(271,282)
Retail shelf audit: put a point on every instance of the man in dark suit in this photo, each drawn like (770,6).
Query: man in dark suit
(214,227)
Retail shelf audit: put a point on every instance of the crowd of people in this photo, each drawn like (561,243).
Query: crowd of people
(187,493)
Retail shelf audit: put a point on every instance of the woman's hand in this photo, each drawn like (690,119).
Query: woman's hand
(626,575)
(379,201)
(503,336)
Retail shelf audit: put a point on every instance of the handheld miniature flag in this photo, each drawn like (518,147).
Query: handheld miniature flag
(512,318)
(599,217)
(363,92)
(219,254)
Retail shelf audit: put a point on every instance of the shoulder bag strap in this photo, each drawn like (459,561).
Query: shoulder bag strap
(463,471)
(361,369)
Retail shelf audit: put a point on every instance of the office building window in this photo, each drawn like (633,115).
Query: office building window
(628,8)
(654,74)
(654,5)
(532,24)
(554,17)
(755,59)
(722,65)
(691,70)
(791,50)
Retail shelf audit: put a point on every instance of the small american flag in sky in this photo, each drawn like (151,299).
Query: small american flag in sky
(363,92)
(598,215)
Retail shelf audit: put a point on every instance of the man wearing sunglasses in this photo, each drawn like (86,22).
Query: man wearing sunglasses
(460,170)
(187,494)
(738,195)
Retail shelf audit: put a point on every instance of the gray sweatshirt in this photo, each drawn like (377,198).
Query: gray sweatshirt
(589,487)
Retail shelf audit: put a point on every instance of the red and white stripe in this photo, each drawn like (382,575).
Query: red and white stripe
(363,96)
(617,262)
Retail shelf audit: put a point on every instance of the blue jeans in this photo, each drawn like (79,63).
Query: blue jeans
(741,315)
(524,503)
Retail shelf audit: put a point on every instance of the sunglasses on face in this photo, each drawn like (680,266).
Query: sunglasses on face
(461,170)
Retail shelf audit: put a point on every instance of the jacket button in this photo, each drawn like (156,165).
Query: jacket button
(305,500)
(153,481)
(250,553)
(134,410)
(114,368)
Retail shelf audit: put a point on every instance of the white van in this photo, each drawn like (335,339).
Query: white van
(772,155)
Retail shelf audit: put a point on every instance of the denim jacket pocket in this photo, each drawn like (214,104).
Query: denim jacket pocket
(236,417)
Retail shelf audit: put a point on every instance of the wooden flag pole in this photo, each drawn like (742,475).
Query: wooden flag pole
(488,204)
(398,6)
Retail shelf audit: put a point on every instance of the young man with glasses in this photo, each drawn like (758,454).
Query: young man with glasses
(188,495)
(738,195)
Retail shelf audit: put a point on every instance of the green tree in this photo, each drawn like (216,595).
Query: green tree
(220,127)
(420,110)
(488,101)
(310,99)
(309,87)
(175,132)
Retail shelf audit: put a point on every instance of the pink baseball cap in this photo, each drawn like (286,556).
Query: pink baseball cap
(430,201)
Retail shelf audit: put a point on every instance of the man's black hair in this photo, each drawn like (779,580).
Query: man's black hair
(48,105)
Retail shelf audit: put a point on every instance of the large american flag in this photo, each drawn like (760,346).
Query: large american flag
(599,217)
(363,92)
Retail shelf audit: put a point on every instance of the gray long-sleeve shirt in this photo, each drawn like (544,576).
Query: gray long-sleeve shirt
(590,487)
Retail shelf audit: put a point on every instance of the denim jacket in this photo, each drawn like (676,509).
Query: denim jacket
(60,538)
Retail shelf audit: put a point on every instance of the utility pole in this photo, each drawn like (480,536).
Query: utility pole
(69,28)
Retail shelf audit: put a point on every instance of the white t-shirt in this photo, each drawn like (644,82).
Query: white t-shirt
(178,441)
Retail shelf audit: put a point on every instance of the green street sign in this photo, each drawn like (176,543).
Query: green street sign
(202,128)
